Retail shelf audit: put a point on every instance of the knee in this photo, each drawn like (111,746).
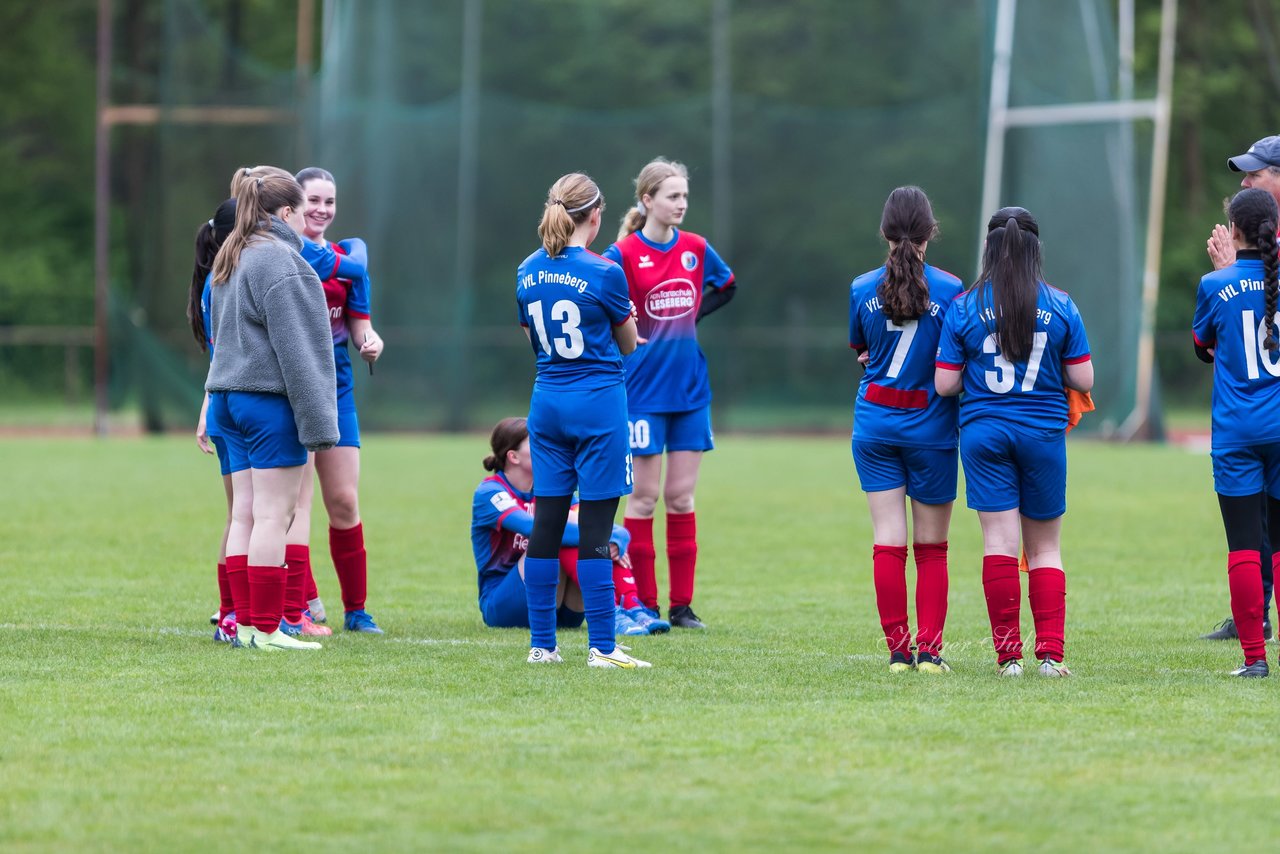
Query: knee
(641,504)
(678,502)
(343,507)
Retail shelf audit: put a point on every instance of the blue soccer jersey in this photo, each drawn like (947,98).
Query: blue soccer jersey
(206,313)
(897,402)
(1030,393)
(570,305)
(497,550)
(1231,318)
(668,373)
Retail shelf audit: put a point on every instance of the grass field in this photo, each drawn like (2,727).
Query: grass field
(123,727)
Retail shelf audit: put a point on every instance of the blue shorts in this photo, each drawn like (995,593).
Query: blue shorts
(1010,467)
(348,423)
(1247,471)
(674,431)
(929,474)
(578,440)
(503,606)
(224,456)
(258,428)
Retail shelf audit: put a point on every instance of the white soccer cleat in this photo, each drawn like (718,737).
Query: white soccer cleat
(277,640)
(616,659)
(538,655)
(1053,669)
(1011,668)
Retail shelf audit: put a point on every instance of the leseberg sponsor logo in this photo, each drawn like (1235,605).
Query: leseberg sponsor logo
(672,299)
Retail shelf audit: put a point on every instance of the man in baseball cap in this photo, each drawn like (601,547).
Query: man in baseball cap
(1263,153)
(1261,168)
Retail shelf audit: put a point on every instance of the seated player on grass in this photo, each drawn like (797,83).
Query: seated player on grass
(501,522)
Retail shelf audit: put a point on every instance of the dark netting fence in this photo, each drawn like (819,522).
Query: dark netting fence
(445,122)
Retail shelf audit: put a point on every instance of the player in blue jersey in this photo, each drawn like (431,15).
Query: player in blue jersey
(1012,344)
(501,523)
(575,309)
(1235,329)
(904,434)
(343,270)
(676,278)
(209,239)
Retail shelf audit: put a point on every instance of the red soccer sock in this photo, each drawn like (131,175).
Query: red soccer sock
(297,559)
(643,558)
(1244,575)
(889,569)
(266,585)
(1003,588)
(238,582)
(350,561)
(931,595)
(226,603)
(1047,590)
(309,589)
(569,563)
(682,556)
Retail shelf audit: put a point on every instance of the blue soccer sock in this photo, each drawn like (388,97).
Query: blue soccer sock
(595,577)
(541,575)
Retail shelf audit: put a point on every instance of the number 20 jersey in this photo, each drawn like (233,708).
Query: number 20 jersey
(1031,393)
(1231,318)
(570,304)
(896,400)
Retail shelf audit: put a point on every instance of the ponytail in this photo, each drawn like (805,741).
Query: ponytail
(907,223)
(209,239)
(259,191)
(508,435)
(633,220)
(570,202)
(1009,284)
(1266,241)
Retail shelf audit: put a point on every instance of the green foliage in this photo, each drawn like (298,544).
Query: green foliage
(124,727)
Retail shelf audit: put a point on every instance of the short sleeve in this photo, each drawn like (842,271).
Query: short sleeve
(1202,326)
(521,317)
(359,302)
(951,342)
(490,505)
(716,272)
(614,295)
(856,339)
(1075,349)
(613,253)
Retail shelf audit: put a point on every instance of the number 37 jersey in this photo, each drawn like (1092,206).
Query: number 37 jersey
(1231,318)
(896,401)
(1030,393)
(570,305)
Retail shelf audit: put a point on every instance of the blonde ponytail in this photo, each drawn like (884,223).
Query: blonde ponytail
(570,202)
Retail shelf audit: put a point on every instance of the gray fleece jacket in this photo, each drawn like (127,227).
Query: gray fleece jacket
(271,334)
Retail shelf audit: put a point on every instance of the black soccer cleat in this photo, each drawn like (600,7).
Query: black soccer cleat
(1226,630)
(1257,670)
(682,617)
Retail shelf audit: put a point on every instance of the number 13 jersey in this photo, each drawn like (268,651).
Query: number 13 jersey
(896,400)
(1030,393)
(570,304)
(1231,318)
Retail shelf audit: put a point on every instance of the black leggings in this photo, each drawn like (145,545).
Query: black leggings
(1246,527)
(595,524)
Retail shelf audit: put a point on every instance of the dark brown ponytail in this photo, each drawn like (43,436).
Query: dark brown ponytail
(1254,212)
(907,223)
(1009,284)
(209,239)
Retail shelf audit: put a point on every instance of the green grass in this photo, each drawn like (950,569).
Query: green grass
(122,726)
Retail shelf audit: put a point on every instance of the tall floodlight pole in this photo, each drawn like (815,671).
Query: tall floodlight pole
(102,222)
(997,118)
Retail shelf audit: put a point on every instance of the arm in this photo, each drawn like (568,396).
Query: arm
(1079,376)
(327,263)
(714,298)
(521,522)
(357,254)
(625,334)
(202,432)
(370,346)
(949,381)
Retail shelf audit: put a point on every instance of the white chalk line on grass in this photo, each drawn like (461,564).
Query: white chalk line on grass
(205,633)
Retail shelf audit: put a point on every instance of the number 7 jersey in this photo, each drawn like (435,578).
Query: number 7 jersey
(1231,318)
(570,304)
(896,400)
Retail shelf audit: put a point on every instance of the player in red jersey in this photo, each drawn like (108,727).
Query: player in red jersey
(675,279)
(348,301)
